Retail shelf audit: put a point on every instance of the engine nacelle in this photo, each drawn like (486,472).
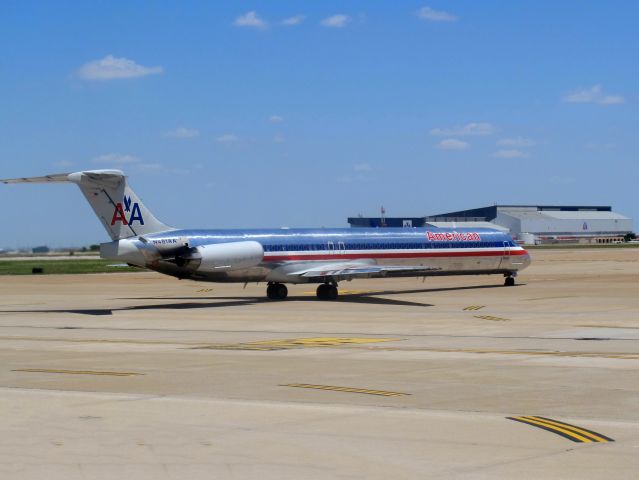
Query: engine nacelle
(229,256)
(166,245)
(124,250)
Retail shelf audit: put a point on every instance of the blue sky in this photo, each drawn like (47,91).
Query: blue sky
(269,114)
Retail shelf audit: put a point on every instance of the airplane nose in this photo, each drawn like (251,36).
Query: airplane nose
(527,260)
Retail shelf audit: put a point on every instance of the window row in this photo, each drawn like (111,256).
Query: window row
(339,246)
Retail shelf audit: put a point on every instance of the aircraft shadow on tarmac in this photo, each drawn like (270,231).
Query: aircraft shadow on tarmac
(370,298)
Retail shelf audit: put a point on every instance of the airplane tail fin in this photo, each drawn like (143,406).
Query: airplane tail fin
(120,210)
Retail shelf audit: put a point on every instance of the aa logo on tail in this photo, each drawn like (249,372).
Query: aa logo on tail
(134,210)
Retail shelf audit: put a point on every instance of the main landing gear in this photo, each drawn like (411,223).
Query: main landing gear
(509,281)
(327,291)
(276,291)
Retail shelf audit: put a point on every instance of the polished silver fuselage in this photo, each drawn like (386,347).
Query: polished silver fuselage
(287,251)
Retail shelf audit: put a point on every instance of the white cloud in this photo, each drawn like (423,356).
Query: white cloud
(250,19)
(292,21)
(336,21)
(112,68)
(594,94)
(116,159)
(612,100)
(464,130)
(452,144)
(428,14)
(512,153)
(182,132)
(275,119)
(362,167)
(227,138)
(519,142)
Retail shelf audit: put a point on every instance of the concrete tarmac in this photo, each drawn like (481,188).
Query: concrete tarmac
(143,376)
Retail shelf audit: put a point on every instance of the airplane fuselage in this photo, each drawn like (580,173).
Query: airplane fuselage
(446,251)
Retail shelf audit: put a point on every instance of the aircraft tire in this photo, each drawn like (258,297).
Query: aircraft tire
(326,291)
(277,291)
(281,291)
(509,282)
(331,292)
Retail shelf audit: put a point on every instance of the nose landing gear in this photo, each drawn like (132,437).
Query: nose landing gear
(327,291)
(509,281)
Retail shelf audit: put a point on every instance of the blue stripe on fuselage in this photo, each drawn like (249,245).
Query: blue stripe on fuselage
(345,238)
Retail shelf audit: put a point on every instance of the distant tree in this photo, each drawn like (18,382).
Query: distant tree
(94,248)
(629,236)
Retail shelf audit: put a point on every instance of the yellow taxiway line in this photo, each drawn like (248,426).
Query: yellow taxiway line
(566,430)
(76,372)
(367,391)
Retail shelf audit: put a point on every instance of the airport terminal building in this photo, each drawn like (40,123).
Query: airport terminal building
(529,224)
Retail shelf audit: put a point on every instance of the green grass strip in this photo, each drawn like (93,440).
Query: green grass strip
(24,267)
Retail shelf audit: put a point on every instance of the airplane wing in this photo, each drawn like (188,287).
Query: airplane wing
(343,271)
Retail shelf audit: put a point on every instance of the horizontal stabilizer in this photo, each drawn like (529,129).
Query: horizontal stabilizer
(56,177)
(95,175)
(119,209)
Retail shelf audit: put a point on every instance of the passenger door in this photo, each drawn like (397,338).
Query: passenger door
(505,257)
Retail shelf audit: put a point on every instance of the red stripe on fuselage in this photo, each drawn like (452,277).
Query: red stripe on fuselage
(353,256)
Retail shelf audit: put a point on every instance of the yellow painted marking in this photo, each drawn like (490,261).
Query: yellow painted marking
(490,317)
(572,435)
(77,372)
(367,391)
(283,344)
(566,430)
(597,437)
(321,341)
(474,307)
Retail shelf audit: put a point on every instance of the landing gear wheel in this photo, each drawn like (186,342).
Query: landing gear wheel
(277,291)
(326,291)
(509,282)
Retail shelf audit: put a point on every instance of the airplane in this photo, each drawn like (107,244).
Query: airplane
(285,256)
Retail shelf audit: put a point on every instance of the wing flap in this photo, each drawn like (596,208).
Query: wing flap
(344,271)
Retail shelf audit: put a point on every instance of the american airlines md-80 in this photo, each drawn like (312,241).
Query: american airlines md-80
(281,256)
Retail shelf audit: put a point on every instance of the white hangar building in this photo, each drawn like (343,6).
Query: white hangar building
(547,223)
